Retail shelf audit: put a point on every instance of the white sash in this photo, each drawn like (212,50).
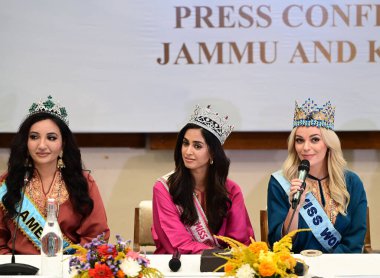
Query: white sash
(200,230)
(315,217)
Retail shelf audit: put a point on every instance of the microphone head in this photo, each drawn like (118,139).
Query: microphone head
(174,264)
(301,269)
(304,166)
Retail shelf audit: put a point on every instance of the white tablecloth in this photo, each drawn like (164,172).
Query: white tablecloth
(327,265)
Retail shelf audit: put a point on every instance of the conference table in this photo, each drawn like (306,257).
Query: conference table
(326,265)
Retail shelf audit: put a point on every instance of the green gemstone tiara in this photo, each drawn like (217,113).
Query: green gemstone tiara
(51,107)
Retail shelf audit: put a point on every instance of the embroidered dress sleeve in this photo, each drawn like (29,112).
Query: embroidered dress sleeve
(238,225)
(96,222)
(168,231)
(4,235)
(278,207)
(353,237)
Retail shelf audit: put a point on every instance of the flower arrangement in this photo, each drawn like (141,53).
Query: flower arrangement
(100,259)
(256,260)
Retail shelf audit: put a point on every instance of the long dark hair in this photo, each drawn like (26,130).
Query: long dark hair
(72,174)
(182,185)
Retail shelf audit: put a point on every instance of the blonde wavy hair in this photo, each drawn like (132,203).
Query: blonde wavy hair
(336,166)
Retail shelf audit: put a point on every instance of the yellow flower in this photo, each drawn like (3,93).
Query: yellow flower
(258,258)
(285,244)
(120,256)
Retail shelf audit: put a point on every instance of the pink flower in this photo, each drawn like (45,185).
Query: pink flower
(133,255)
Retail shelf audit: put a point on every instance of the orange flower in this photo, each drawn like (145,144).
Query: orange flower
(100,271)
(228,267)
(287,260)
(267,268)
(256,247)
(107,250)
(120,274)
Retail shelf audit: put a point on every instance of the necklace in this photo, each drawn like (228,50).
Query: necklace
(37,194)
(59,178)
(59,193)
(51,184)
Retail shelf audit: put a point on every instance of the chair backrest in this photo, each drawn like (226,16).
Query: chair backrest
(143,224)
(367,240)
(264,225)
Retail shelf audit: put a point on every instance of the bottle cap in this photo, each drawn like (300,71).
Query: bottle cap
(311,253)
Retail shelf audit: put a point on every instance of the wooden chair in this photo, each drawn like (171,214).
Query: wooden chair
(264,231)
(367,240)
(264,225)
(143,223)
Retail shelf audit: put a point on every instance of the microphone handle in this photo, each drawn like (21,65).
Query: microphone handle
(175,262)
(177,254)
(297,196)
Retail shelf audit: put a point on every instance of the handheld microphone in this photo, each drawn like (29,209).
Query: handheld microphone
(175,262)
(14,268)
(303,170)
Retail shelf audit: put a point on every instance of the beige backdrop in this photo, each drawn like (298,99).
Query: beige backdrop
(126,176)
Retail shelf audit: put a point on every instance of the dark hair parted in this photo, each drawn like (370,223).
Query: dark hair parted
(72,174)
(182,185)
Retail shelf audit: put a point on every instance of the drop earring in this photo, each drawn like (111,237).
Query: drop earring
(28,163)
(60,163)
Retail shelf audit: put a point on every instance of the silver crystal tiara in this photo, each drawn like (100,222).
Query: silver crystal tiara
(211,121)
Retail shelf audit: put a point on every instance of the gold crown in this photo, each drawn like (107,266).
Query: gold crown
(211,121)
(309,114)
(50,107)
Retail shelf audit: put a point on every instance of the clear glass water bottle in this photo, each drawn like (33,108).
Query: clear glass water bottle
(51,244)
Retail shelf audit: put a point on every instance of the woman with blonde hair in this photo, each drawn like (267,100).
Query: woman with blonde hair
(333,202)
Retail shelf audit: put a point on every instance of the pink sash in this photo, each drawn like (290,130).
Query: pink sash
(200,230)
